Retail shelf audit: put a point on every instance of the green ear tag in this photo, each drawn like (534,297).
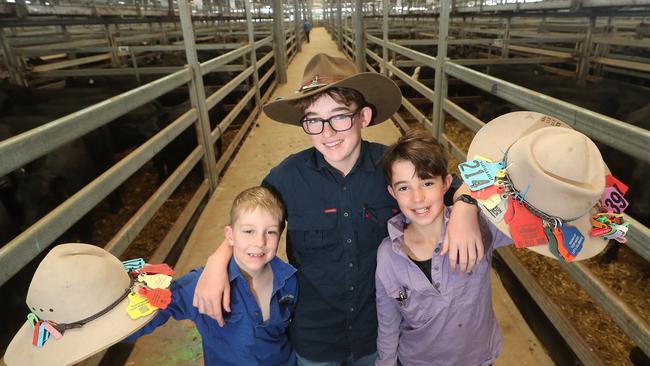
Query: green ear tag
(552,243)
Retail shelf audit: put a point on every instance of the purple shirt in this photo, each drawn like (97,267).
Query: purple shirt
(447,322)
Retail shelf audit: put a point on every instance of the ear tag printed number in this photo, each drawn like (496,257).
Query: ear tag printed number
(479,174)
(139,306)
(133,264)
(163,268)
(613,200)
(158,297)
(552,242)
(526,229)
(155,281)
(573,239)
(497,212)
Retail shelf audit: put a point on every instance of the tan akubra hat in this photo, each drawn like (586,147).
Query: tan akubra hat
(73,283)
(324,72)
(561,170)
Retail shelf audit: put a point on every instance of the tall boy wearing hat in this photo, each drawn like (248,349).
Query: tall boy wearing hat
(263,291)
(429,315)
(337,208)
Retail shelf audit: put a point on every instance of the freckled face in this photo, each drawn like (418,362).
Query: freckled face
(254,238)
(421,200)
(340,149)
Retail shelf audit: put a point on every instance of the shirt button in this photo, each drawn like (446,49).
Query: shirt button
(349,240)
(349,327)
(351,288)
(437,250)
(352,310)
(436,285)
(470,272)
(350,264)
(257,313)
(345,188)
(346,214)
(436,268)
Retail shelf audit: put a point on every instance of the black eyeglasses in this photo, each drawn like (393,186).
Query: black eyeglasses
(338,123)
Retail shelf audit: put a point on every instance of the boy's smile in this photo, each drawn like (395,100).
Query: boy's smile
(340,149)
(421,200)
(254,238)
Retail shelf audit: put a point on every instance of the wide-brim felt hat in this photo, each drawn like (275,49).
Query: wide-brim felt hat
(561,170)
(74,282)
(325,72)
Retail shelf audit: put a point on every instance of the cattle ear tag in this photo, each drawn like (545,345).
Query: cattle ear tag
(557,233)
(526,229)
(158,297)
(132,264)
(497,212)
(611,181)
(43,334)
(156,281)
(552,242)
(479,174)
(613,200)
(573,239)
(139,306)
(162,268)
(32,319)
(52,330)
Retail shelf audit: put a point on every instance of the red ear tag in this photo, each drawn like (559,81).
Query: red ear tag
(526,229)
(37,327)
(162,268)
(487,192)
(611,181)
(158,297)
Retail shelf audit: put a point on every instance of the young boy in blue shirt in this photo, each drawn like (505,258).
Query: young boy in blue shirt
(337,208)
(263,291)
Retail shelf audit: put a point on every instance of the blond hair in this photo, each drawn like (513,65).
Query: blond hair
(257,197)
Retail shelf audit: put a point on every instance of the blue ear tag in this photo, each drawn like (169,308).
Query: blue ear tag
(573,239)
(132,264)
(43,335)
(479,174)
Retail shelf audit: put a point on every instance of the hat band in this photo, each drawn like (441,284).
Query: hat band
(320,81)
(62,327)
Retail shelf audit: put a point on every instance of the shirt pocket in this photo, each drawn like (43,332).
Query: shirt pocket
(374,217)
(417,308)
(314,237)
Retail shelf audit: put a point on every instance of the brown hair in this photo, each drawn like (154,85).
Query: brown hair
(344,96)
(422,150)
(254,197)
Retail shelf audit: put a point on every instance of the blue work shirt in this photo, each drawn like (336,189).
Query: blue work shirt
(335,225)
(245,339)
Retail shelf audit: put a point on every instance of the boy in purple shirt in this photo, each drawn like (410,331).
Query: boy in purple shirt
(539,182)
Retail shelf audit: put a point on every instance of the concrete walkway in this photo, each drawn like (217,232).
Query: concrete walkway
(178,343)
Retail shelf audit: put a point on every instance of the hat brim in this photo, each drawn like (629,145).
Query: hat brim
(76,344)
(496,137)
(377,89)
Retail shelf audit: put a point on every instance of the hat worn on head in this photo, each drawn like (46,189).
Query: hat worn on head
(325,72)
(553,171)
(84,287)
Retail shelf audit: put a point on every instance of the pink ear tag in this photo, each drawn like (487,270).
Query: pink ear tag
(50,328)
(613,200)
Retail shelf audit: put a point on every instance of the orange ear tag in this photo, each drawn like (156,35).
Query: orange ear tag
(158,297)
(139,306)
(526,229)
(560,245)
(162,268)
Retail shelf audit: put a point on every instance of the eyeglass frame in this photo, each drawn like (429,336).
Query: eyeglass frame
(329,122)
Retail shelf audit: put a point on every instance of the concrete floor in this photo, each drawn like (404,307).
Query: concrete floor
(178,343)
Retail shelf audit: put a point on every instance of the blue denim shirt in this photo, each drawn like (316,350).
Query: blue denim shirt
(245,339)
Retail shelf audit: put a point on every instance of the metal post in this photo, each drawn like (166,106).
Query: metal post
(441,77)
(583,70)
(505,47)
(115,59)
(359,37)
(296,20)
(279,47)
(339,26)
(11,65)
(384,49)
(197,95)
(251,41)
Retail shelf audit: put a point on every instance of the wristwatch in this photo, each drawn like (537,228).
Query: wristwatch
(467,199)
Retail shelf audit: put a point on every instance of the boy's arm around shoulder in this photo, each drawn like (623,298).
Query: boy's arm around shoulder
(463,235)
(180,307)
(388,314)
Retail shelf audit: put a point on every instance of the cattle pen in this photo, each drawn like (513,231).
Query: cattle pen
(145,121)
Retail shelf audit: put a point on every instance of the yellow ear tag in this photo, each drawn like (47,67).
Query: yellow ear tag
(491,202)
(139,306)
(479,157)
(501,173)
(156,281)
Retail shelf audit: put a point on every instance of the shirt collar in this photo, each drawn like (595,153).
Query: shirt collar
(365,161)
(397,224)
(281,271)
